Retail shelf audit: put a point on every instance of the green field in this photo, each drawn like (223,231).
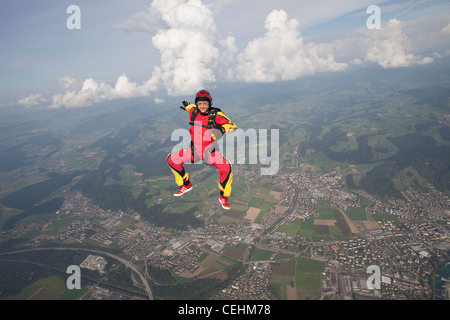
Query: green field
(302,274)
(291,228)
(307,280)
(51,288)
(283,275)
(325,210)
(261,255)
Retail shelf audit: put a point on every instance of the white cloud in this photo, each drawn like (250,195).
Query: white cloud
(32,100)
(281,54)
(68,82)
(397,44)
(90,92)
(187,47)
(446,29)
(193,54)
(389,48)
(229,49)
(93,92)
(185,36)
(147,21)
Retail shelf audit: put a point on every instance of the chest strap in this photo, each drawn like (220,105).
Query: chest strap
(211,118)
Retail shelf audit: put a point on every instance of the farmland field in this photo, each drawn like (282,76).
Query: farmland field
(307,280)
(303,275)
(51,288)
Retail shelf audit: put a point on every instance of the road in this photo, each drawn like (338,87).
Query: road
(122,260)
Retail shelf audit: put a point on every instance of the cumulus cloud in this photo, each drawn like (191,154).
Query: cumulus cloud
(187,47)
(281,54)
(68,82)
(32,100)
(229,49)
(194,55)
(184,36)
(446,29)
(93,92)
(389,49)
(184,32)
(147,21)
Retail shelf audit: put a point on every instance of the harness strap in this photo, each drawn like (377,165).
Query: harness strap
(211,118)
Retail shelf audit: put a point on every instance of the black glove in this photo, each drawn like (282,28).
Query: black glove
(218,127)
(185,104)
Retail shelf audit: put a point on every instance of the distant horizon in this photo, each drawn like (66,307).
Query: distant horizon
(224,91)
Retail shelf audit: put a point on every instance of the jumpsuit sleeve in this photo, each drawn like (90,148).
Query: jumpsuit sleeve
(189,107)
(225,122)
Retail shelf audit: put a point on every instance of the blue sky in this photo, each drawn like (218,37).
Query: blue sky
(134,48)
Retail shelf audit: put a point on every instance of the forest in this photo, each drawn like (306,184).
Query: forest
(29,196)
(50,206)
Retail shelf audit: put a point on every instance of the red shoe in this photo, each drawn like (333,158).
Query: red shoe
(224,202)
(183,189)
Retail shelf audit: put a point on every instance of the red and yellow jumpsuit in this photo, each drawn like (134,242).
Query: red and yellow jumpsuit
(202,146)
